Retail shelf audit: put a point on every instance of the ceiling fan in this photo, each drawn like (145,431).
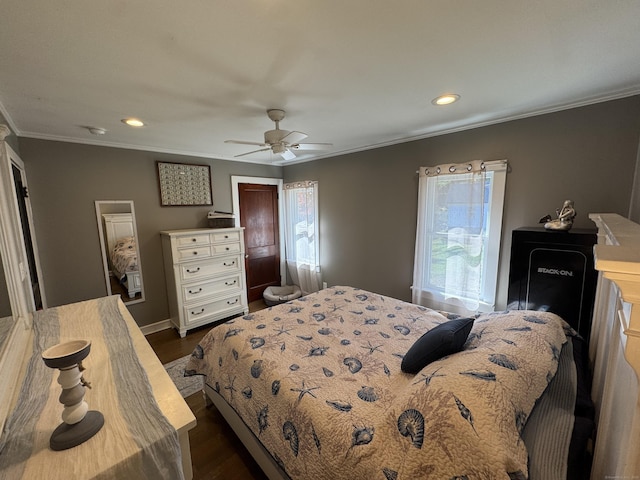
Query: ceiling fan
(282,142)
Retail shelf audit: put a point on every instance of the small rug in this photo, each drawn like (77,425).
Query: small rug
(186,385)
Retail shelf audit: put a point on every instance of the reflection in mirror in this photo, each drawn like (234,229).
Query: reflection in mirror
(120,253)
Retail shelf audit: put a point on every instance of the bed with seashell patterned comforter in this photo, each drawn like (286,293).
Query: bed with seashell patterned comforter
(318,382)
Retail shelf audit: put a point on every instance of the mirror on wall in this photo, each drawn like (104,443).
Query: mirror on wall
(120,252)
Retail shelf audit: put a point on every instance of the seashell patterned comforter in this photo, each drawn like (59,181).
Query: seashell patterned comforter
(318,381)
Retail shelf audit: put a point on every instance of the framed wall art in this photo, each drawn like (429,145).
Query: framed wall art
(184,184)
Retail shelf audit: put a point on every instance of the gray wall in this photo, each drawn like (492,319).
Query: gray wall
(65,179)
(368,200)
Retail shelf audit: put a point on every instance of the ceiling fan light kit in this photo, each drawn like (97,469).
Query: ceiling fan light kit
(281,142)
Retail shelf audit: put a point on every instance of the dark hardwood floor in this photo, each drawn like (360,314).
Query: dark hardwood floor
(216,452)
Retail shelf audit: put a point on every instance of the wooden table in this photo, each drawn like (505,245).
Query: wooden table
(113,451)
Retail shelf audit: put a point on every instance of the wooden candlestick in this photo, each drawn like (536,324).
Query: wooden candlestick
(79,423)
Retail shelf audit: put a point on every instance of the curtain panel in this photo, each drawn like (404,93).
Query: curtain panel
(301,235)
(458,236)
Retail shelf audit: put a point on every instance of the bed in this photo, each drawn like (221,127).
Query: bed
(123,251)
(315,389)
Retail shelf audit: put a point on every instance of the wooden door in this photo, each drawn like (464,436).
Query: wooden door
(259,217)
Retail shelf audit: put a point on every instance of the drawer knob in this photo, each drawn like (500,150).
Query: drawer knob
(198,313)
(226,236)
(229,264)
(195,253)
(228,284)
(196,270)
(193,240)
(229,302)
(227,248)
(196,291)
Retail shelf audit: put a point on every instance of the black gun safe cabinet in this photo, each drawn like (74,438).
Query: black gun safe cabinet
(553,271)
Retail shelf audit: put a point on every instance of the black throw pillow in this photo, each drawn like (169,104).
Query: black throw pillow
(438,342)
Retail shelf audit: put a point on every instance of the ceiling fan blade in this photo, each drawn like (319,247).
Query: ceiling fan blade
(288,155)
(254,151)
(294,137)
(242,142)
(312,146)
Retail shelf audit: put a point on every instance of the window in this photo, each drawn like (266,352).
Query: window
(458,236)
(301,234)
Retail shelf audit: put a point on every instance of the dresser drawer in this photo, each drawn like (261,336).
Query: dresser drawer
(193,253)
(225,248)
(222,237)
(196,314)
(196,239)
(197,291)
(212,267)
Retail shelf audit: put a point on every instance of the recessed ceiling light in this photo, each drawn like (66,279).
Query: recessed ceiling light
(446,99)
(133,122)
(96,130)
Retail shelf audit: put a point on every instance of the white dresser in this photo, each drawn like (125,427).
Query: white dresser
(205,275)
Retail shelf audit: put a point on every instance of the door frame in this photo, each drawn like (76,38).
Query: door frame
(19,268)
(235,181)
(15,269)
(19,164)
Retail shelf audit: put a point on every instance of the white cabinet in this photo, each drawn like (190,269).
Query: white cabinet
(205,275)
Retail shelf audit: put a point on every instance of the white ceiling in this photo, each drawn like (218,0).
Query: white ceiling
(357,73)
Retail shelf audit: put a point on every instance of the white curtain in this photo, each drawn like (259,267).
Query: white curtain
(458,236)
(301,235)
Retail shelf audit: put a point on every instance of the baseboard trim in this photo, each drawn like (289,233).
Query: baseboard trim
(156,327)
